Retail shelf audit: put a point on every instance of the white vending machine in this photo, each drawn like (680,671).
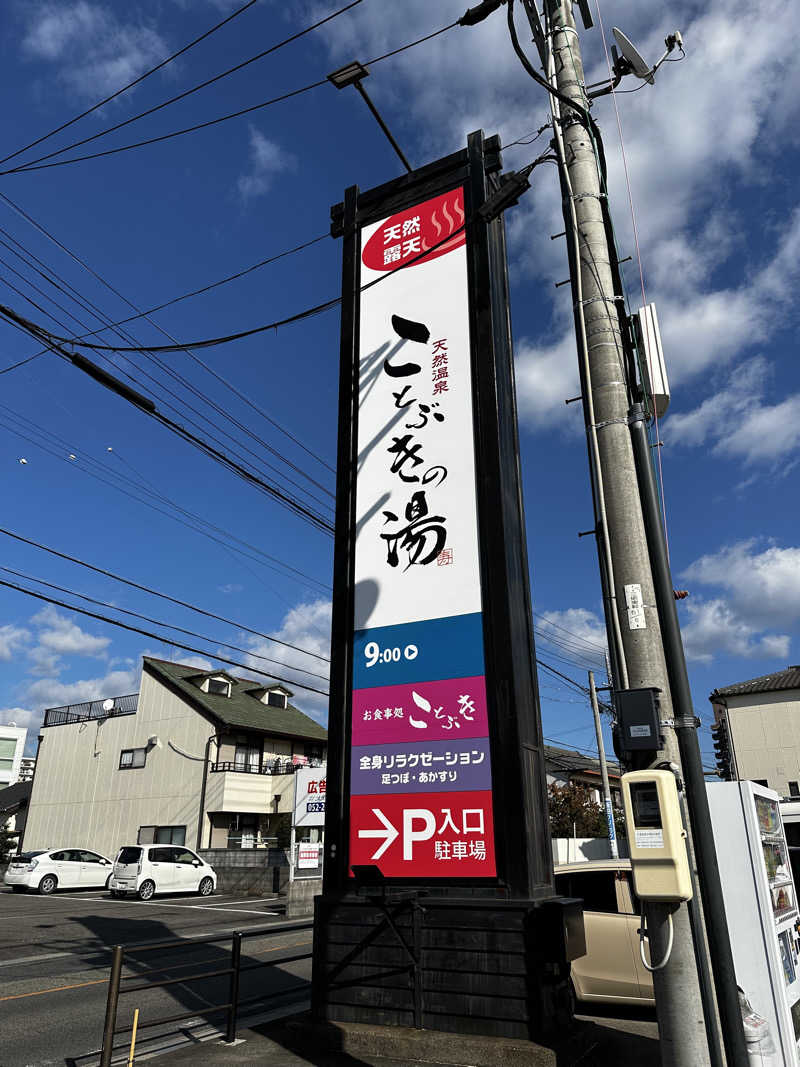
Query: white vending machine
(763,920)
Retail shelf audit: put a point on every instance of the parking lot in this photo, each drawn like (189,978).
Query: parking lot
(55,958)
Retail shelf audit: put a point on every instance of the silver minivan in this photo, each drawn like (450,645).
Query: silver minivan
(145,870)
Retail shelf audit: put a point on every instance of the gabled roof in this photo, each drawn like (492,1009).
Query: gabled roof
(14,797)
(766,683)
(242,708)
(569,760)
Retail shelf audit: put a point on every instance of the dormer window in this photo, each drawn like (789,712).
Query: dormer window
(220,687)
(276,699)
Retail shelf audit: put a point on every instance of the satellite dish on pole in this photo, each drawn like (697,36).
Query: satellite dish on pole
(108,705)
(637,64)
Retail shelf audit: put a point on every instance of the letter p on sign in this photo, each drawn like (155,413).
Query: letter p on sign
(410,835)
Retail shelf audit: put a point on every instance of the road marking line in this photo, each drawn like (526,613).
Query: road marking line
(165,904)
(35,959)
(250,900)
(107,948)
(56,989)
(154,970)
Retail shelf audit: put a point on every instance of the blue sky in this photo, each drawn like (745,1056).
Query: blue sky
(712,151)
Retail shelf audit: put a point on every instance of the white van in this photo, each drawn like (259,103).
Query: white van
(149,869)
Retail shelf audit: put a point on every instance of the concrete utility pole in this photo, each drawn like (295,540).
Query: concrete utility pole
(620,526)
(601,752)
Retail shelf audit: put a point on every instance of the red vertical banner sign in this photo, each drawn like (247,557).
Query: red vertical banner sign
(420,763)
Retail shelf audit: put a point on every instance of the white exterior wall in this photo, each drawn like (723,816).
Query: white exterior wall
(80,796)
(16,734)
(765,732)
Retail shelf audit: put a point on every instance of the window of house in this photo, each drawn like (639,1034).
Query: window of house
(794,789)
(595,888)
(7,749)
(219,687)
(276,700)
(162,835)
(130,758)
(313,752)
(246,756)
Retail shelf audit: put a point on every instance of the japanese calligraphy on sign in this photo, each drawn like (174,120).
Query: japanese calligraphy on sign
(420,781)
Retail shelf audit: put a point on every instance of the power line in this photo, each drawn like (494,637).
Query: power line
(55,339)
(196,359)
(558,626)
(130,85)
(157,593)
(145,404)
(201,396)
(148,406)
(30,165)
(191,520)
(157,622)
(221,118)
(166,639)
(222,281)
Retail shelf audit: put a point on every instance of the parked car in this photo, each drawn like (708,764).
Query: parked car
(144,870)
(612,969)
(58,868)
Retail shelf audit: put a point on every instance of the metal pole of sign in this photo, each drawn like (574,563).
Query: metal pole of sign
(601,752)
(233,997)
(117,957)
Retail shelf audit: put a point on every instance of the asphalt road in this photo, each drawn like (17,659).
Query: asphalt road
(55,955)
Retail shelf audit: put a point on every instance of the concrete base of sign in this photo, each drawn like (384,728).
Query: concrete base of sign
(484,966)
(401,1044)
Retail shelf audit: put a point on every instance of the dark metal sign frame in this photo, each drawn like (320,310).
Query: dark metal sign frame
(522,840)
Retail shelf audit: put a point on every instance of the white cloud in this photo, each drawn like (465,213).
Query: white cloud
(763,585)
(50,692)
(59,634)
(738,421)
(708,127)
(575,626)
(93,50)
(230,587)
(20,716)
(12,638)
(547,376)
(307,626)
(714,628)
(266,160)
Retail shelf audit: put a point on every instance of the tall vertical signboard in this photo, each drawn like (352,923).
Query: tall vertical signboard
(435,765)
(420,764)
(436,768)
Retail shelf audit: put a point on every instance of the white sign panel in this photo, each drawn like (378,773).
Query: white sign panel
(307,856)
(417,537)
(309,796)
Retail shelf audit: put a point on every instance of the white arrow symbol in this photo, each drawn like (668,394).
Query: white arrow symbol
(389,833)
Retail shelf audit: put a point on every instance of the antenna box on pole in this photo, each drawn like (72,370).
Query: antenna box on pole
(654,370)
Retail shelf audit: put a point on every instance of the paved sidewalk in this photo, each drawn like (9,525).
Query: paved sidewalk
(608,1040)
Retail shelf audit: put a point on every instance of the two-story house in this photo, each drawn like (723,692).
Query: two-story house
(195,757)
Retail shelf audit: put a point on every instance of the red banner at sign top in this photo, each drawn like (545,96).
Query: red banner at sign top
(404,236)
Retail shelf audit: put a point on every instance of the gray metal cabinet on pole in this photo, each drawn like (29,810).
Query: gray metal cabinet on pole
(606,402)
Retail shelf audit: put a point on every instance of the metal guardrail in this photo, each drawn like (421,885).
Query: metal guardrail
(90,710)
(230,1007)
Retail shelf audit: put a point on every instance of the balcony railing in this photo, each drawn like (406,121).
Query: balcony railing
(90,710)
(270,767)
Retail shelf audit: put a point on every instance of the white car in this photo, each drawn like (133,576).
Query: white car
(58,868)
(144,870)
